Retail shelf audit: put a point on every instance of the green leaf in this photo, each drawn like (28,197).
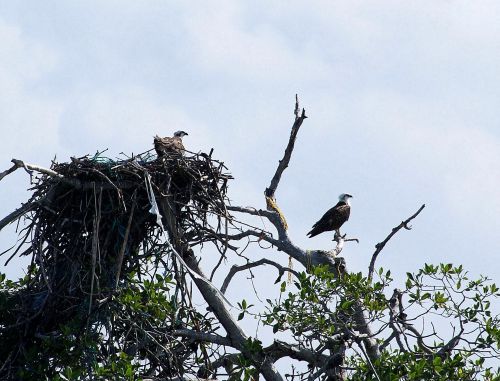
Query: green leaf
(346,304)
(425,295)
(283,287)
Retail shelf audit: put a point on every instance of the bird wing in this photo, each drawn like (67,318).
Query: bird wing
(343,212)
(168,144)
(332,219)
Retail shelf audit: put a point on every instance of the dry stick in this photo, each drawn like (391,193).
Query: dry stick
(70,181)
(32,167)
(107,179)
(18,213)
(379,246)
(226,243)
(263,261)
(19,246)
(42,267)
(283,163)
(124,245)
(95,241)
(8,171)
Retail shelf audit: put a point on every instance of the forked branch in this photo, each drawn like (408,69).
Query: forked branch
(379,246)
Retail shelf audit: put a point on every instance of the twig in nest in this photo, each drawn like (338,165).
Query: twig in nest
(124,246)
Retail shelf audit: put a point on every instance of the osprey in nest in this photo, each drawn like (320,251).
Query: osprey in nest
(334,218)
(167,145)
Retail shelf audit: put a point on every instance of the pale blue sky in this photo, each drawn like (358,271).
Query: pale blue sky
(402,98)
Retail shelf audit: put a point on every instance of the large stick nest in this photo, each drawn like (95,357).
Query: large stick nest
(94,224)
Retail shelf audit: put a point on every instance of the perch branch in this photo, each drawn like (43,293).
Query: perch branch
(311,257)
(379,246)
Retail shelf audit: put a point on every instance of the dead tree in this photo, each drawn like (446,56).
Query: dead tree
(115,247)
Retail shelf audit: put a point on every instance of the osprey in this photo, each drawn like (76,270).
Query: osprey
(169,145)
(334,218)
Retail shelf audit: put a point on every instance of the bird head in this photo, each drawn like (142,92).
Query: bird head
(345,198)
(180,134)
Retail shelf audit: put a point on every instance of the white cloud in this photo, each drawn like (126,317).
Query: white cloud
(28,118)
(417,81)
(457,159)
(224,42)
(123,120)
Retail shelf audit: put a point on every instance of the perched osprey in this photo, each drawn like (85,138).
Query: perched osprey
(169,145)
(334,218)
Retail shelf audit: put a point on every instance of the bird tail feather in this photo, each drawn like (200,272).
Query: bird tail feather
(313,233)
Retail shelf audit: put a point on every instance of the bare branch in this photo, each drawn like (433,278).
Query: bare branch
(32,167)
(8,171)
(283,163)
(107,184)
(394,307)
(249,210)
(379,246)
(448,347)
(397,318)
(234,331)
(387,341)
(18,213)
(252,233)
(337,266)
(280,349)
(226,361)
(203,336)
(124,246)
(263,261)
(310,257)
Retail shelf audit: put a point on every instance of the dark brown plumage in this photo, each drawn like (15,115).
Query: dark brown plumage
(334,218)
(169,144)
